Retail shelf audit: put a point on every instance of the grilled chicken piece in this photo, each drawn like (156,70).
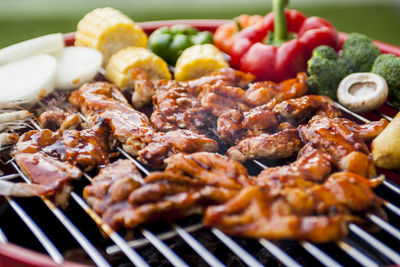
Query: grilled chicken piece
(318,214)
(299,110)
(255,213)
(117,196)
(283,144)
(112,185)
(51,158)
(211,168)
(144,88)
(103,100)
(235,124)
(175,108)
(164,145)
(56,118)
(312,165)
(366,131)
(218,99)
(260,93)
(221,77)
(345,145)
(346,191)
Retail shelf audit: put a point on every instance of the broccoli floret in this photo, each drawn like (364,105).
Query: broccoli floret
(388,66)
(322,69)
(326,69)
(359,52)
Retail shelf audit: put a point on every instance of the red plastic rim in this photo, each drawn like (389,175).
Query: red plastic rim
(16,256)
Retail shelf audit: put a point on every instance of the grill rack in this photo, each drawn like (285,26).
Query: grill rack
(348,245)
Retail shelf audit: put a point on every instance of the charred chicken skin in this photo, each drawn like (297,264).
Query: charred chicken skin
(179,191)
(51,158)
(282,144)
(175,108)
(312,165)
(164,145)
(299,110)
(235,124)
(56,118)
(318,214)
(132,128)
(344,141)
(260,93)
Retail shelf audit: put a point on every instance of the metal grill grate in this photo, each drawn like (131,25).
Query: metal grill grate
(362,247)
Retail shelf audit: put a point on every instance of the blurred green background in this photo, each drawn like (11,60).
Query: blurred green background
(24,19)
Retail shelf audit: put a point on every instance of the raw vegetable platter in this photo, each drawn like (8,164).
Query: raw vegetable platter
(11,253)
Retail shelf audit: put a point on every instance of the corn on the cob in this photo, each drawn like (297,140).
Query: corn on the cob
(108,30)
(118,69)
(197,61)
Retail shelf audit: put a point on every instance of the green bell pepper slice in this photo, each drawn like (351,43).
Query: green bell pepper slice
(169,42)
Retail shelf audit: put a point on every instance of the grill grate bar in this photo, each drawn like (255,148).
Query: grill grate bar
(278,253)
(236,248)
(378,245)
(128,251)
(385,116)
(385,226)
(319,254)
(9,176)
(356,255)
(43,239)
(198,247)
(79,237)
(355,115)
(118,240)
(141,242)
(3,238)
(392,208)
(392,187)
(163,248)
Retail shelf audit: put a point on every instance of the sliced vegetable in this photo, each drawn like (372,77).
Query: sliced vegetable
(76,66)
(119,68)
(198,60)
(169,42)
(108,30)
(388,66)
(28,79)
(46,44)
(362,92)
(385,147)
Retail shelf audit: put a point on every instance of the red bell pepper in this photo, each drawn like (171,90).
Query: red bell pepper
(279,48)
(224,34)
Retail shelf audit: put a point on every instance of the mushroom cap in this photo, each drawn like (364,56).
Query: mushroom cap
(362,92)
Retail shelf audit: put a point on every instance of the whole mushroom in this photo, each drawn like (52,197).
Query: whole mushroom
(362,92)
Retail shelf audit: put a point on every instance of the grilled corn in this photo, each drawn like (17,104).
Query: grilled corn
(119,68)
(108,30)
(197,61)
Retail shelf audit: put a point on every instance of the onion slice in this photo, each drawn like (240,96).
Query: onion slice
(28,79)
(51,43)
(76,66)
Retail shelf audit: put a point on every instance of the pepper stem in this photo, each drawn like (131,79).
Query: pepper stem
(280,26)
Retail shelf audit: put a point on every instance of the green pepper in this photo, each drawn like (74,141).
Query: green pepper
(169,42)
